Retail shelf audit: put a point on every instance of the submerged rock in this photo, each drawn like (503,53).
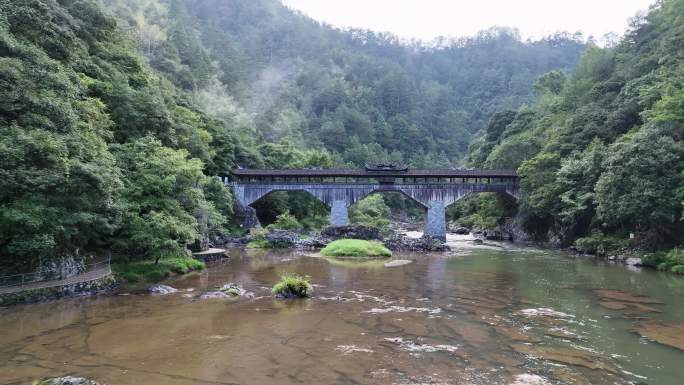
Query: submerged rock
(214,295)
(162,289)
(616,305)
(622,296)
(530,379)
(633,262)
(67,381)
(565,356)
(398,262)
(666,334)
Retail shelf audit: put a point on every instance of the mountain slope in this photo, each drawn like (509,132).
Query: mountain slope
(601,153)
(362,95)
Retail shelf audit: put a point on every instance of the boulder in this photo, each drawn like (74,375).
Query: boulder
(214,295)
(282,238)
(246,215)
(67,381)
(493,235)
(312,243)
(478,241)
(425,243)
(162,289)
(397,262)
(633,262)
(235,290)
(461,230)
(352,232)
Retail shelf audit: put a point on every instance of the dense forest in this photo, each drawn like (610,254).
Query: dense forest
(601,152)
(117,116)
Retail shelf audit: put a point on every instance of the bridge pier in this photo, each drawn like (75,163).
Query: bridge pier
(435,220)
(339,214)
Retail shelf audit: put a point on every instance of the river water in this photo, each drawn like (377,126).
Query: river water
(492,314)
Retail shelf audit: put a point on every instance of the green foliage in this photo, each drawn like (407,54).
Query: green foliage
(150,271)
(285,221)
(601,244)
(95,146)
(316,222)
(355,248)
(293,286)
(602,148)
(371,211)
(166,206)
(265,244)
(672,260)
(483,211)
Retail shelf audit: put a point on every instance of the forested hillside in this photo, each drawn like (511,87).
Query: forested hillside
(361,95)
(116,117)
(601,153)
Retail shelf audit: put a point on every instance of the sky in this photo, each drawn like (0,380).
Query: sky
(427,19)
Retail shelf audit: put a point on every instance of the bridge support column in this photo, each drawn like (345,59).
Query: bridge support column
(339,215)
(435,221)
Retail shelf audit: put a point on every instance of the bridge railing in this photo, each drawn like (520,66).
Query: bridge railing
(28,279)
(507,182)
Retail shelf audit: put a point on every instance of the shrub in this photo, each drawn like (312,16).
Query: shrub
(316,222)
(600,244)
(258,233)
(266,244)
(371,211)
(672,260)
(355,248)
(285,221)
(292,286)
(148,270)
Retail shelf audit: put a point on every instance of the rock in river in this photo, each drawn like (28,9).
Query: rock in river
(214,294)
(162,289)
(398,262)
(633,262)
(666,334)
(565,356)
(622,296)
(67,381)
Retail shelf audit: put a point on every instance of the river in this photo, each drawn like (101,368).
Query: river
(491,314)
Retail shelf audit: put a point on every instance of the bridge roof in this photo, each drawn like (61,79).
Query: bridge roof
(445,173)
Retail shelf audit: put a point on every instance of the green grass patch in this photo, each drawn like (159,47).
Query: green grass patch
(147,270)
(355,248)
(293,286)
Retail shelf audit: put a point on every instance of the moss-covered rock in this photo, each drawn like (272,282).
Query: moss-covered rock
(355,248)
(66,381)
(292,286)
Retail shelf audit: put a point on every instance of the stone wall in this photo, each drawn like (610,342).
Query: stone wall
(95,286)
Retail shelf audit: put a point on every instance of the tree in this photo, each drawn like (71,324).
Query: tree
(638,190)
(165,203)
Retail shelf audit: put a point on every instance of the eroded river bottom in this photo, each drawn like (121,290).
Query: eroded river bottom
(485,315)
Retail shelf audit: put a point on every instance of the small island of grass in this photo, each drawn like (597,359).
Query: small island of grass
(292,286)
(355,248)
